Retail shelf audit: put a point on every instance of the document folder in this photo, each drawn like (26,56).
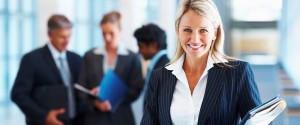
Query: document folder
(111,88)
(264,113)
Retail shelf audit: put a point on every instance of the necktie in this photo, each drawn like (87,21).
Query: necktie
(67,82)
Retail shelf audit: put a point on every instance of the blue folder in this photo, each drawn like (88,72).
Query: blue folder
(113,89)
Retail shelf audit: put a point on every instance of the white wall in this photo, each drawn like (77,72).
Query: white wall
(290,39)
(167,12)
(46,8)
(133,16)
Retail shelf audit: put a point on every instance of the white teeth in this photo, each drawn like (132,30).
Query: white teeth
(195,47)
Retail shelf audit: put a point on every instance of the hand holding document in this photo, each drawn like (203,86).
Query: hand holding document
(111,88)
(85,90)
(265,113)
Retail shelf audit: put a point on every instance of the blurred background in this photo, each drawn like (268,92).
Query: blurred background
(262,32)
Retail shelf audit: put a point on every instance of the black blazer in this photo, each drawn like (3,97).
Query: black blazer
(229,95)
(38,70)
(162,61)
(128,67)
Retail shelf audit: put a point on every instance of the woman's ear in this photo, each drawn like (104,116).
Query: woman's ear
(177,31)
(215,34)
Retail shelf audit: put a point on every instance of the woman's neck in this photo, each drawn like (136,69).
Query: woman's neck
(110,49)
(195,65)
(111,54)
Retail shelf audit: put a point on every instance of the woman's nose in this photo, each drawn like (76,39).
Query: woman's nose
(196,37)
(107,37)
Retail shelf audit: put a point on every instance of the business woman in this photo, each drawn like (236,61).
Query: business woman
(201,85)
(97,62)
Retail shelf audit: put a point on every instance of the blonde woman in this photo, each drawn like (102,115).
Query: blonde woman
(201,85)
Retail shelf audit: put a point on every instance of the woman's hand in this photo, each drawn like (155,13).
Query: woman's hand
(102,106)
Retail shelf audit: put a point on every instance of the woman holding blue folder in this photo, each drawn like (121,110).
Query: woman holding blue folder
(110,57)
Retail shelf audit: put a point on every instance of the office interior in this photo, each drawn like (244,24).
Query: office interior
(262,32)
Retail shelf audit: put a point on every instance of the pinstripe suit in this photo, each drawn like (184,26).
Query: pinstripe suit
(229,95)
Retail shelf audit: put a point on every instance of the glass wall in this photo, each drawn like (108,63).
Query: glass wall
(87,17)
(17,29)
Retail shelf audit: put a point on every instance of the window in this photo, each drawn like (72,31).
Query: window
(152,11)
(17,19)
(256,10)
(88,14)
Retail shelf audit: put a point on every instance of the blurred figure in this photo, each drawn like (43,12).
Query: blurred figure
(201,85)
(152,45)
(97,62)
(45,77)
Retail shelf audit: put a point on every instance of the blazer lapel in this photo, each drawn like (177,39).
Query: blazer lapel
(49,59)
(169,82)
(214,86)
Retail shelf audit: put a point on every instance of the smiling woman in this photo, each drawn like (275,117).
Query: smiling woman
(195,33)
(200,84)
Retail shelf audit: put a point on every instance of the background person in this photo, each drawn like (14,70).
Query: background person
(152,45)
(43,69)
(98,61)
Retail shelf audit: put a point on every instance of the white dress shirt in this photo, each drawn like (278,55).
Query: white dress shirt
(185,107)
(56,55)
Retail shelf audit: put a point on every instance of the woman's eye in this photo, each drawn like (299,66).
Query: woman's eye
(187,30)
(203,31)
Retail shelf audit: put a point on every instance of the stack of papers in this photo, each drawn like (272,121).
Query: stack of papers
(265,113)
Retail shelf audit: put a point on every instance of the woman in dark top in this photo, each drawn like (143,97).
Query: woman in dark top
(111,56)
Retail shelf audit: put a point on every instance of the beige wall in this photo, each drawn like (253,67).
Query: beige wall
(255,41)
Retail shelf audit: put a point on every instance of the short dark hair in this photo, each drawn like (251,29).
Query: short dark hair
(151,33)
(57,21)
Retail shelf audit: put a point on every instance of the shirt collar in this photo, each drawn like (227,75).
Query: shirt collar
(121,50)
(176,67)
(55,53)
(156,57)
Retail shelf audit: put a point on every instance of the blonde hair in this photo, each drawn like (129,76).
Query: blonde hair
(208,9)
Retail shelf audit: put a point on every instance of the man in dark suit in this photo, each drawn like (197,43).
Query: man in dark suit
(43,86)
(152,45)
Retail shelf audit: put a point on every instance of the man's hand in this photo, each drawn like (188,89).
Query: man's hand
(102,106)
(52,117)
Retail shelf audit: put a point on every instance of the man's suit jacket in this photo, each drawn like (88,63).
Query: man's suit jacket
(128,67)
(38,70)
(229,95)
